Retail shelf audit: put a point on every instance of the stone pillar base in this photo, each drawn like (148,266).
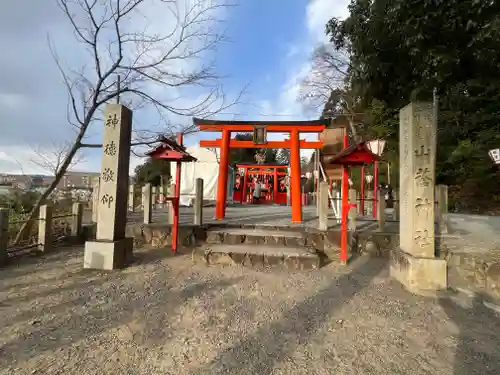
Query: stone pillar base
(108,255)
(424,276)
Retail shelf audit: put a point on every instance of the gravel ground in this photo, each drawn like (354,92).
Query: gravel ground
(165,316)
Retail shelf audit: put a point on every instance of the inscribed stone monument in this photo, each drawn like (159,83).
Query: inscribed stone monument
(112,249)
(417,179)
(415,264)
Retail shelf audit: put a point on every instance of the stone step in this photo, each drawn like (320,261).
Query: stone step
(257,256)
(313,241)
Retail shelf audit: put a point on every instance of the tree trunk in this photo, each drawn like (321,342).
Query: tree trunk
(62,171)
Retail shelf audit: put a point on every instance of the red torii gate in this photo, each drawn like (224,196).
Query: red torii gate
(260,130)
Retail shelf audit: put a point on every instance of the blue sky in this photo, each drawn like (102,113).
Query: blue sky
(269,50)
(264,33)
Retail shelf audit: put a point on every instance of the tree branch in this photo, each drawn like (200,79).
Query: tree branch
(158,69)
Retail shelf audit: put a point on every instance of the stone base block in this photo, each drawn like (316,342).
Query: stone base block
(419,275)
(108,255)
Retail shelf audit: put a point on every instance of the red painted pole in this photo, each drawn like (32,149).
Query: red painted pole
(220,204)
(295,191)
(345,212)
(375,189)
(362,207)
(345,207)
(176,201)
(275,184)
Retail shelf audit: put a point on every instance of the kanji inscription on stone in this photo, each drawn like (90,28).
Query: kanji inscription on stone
(108,175)
(422,237)
(417,176)
(112,121)
(423,206)
(107,200)
(422,151)
(110,148)
(423,177)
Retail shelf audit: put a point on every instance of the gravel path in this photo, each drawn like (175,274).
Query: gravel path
(166,316)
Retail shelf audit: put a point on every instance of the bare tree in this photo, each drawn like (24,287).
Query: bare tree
(327,86)
(155,66)
(51,159)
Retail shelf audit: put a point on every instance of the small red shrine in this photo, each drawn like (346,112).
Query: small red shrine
(169,150)
(272,176)
(351,156)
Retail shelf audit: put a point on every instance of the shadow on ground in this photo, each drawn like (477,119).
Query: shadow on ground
(83,310)
(275,342)
(473,356)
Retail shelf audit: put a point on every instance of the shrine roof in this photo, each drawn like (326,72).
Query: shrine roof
(356,154)
(265,165)
(170,150)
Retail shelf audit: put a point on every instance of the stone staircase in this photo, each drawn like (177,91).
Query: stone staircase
(290,248)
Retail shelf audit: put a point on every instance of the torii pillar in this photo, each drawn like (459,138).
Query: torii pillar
(220,204)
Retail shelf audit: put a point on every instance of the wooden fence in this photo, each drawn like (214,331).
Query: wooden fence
(42,233)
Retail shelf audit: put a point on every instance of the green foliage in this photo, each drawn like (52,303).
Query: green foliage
(19,202)
(247,155)
(152,171)
(401,50)
(242,155)
(283,156)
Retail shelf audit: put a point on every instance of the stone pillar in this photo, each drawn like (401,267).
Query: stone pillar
(45,228)
(442,208)
(198,202)
(395,205)
(4,235)
(170,213)
(77,220)
(147,197)
(359,200)
(95,201)
(154,197)
(131,198)
(369,203)
(337,201)
(323,206)
(161,198)
(381,211)
(353,212)
(112,249)
(415,264)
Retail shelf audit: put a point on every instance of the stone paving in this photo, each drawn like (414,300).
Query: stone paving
(165,316)
(239,214)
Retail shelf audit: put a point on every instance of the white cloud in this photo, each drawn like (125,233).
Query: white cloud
(286,106)
(33,99)
(318,13)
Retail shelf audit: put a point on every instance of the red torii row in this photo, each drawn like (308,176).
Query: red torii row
(260,130)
